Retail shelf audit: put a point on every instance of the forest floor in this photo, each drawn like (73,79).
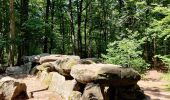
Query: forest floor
(152,85)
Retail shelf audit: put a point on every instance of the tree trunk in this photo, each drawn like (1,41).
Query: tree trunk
(85,35)
(154,53)
(79,14)
(11,33)
(90,32)
(45,50)
(23,46)
(1,47)
(72,28)
(63,33)
(52,25)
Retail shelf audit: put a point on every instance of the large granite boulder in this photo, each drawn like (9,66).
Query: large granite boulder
(59,84)
(23,69)
(12,90)
(132,92)
(42,75)
(27,67)
(107,74)
(33,58)
(50,58)
(86,61)
(14,70)
(92,92)
(65,63)
(75,95)
(48,66)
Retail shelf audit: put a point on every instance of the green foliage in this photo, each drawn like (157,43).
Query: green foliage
(126,52)
(165,59)
(103,22)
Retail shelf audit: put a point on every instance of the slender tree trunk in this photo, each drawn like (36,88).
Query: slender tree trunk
(72,28)
(85,35)
(52,25)
(11,33)
(154,52)
(45,50)
(63,33)
(1,47)
(23,47)
(79,18)
(90,32)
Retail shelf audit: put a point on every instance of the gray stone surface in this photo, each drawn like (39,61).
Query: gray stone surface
(92,92)
(64,64)
(75,95)
(23,69)
(11,89)
(62,86)
(107,74)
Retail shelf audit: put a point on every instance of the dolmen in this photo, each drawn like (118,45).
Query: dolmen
(86,79)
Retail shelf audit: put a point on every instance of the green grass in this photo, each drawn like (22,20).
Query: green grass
(167,87)
(143,77)
(165,76)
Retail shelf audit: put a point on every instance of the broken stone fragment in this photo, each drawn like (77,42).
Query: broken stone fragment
(10,89)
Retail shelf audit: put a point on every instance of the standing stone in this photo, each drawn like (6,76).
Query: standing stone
(27,67)
(92,92)
(62,86)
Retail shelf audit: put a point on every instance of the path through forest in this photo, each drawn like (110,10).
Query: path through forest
(154,87)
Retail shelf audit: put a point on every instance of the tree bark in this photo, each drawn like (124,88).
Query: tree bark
(45,50)
(79,18)
(72,28)
(52,25)
(63,33)
(85,35)
(90,32)
(23,46)
(11,33)
(1,47)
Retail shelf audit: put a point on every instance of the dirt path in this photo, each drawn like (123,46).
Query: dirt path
(39,92)
(154,87)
